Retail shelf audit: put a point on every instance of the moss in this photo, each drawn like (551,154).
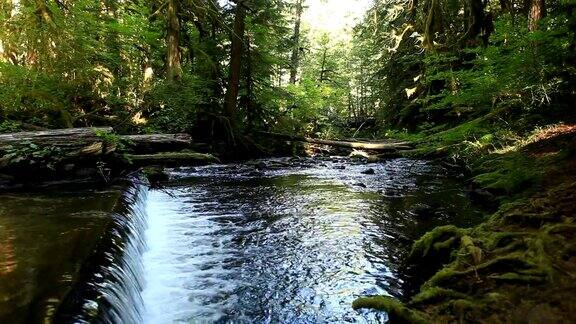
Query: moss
(512,277)
(501,240)
(447,277)
(565,230)
(434,295)
(530,219)
(472,129)
(172,158)
(462,306)
(474,251)
(437,243)
(397,312)
(521,256)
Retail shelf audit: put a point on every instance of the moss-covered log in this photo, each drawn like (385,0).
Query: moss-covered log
(172,158)
(152,143)
(71,141)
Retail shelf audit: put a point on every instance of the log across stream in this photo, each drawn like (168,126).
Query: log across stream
(277,240)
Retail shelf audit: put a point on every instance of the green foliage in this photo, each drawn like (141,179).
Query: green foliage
(319,101)
(171,107)
(31,154)
(9,126)
(113,140)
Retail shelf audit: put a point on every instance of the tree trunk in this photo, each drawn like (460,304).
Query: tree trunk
(536,12)
(235,61)
(295,59)
(474,19)
(246,101)
(323,66)
(173,66)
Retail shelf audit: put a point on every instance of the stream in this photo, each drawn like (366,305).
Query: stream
(277,240)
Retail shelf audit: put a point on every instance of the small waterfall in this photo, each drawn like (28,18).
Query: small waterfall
(111,280)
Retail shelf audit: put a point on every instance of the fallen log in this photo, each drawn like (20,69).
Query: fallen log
(71,141)
(151,143)
(380,146)
(172,158)
(84,156)
(68,148)
(47,147)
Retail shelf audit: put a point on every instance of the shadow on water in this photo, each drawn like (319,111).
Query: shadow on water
(289,243)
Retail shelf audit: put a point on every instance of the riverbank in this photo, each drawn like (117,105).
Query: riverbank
(519,264)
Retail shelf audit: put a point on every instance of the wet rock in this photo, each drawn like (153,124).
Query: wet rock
(360,184)
(356,154)
(368,171)
(479,195)
(260,165)
(155,175)
(339,167)
(424,211)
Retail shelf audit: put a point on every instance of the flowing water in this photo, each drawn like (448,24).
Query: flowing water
(293,241)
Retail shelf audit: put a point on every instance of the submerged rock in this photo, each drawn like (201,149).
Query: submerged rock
(260,165)
(368,171)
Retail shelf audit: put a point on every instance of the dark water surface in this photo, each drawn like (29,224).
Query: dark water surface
(44,239)
(289,243)
(279,240)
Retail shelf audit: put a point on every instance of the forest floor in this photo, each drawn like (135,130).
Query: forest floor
(519,265)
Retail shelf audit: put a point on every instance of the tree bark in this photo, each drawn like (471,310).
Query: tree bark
(536,12)
(93,141)
(323,70)
(295,59)
(173,65)
(71,142)
(247,99)
(474,19)
(235,61)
